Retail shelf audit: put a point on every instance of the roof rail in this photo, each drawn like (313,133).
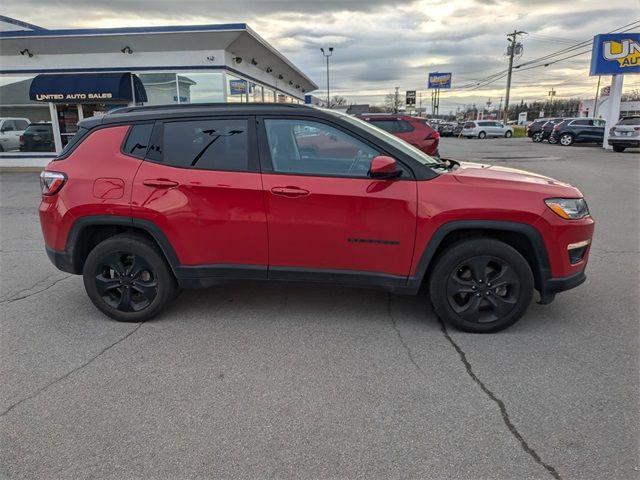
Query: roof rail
(179,106)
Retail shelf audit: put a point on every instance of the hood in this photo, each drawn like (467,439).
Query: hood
(477,173)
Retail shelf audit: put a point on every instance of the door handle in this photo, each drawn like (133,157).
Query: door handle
(159,183)
(289,191)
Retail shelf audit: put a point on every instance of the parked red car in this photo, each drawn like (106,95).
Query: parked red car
(412,130)
(147,200)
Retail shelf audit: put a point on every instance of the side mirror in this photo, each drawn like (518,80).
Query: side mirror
(383,166)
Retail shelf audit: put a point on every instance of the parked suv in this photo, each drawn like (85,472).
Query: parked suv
(578,130)
(147,200)
(10,131)
(38,137)
(413,130)
(541,128)
(625,134)
(486,128)
(547,130)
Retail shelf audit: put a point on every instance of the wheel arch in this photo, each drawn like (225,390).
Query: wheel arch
(523,237)
(87,232)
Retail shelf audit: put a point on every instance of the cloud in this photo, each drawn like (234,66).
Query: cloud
(381,44)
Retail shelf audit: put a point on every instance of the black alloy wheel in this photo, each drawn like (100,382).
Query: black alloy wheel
(481,285)
(537,137)
(128,279)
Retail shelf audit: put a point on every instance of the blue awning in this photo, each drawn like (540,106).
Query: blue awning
(87,88)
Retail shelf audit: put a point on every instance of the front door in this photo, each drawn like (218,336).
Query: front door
(325,214)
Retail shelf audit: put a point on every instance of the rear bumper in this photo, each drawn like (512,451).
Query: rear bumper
(625,142)
(62,260)
(560,284)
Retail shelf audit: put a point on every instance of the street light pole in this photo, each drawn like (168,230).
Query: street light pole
(327,54)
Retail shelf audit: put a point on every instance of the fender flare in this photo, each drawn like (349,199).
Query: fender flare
(532,234)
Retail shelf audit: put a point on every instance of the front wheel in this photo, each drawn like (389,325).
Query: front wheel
(508,134)
(537,137)
(481,285)
(618,148)
(127,278)
(553,140)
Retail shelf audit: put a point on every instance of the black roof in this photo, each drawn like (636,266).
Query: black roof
(181,110)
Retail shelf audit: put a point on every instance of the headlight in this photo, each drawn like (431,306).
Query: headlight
(568,208)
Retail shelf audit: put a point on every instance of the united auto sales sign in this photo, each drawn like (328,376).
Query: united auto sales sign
(615,54)
(57,97)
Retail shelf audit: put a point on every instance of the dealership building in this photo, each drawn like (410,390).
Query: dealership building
(59,77)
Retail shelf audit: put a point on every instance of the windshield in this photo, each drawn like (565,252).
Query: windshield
(401,145)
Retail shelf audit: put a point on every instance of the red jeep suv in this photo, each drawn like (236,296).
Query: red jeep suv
(412,130)
(147,200)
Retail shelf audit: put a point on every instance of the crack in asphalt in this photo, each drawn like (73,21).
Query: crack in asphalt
(17,295)
(503,409)
(71,372)
(501,405)
(402,342)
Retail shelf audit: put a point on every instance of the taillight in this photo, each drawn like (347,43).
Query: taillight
(51,182)
(556,128)
(21,139)
(637,129)
(612,129)
(432,136)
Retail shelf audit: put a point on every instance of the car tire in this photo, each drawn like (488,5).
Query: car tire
(508,134)
(566,139)
(482,135)
(552,140)
(481,285)
(537,137)
(618,148)
(128,279)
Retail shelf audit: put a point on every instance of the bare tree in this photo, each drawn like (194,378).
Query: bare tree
(391,103)
(338,101)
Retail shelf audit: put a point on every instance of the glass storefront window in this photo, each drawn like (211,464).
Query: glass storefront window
(197,87)
(255,92)
(25,125)
(236,89)
(269,95)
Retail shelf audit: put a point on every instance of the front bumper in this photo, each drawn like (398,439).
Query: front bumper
(551,286)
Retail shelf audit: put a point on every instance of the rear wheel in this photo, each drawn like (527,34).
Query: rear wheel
(508,134)
(481,285)
(482,135)
(566,139)
(537,137)
(128,279)
(553,140)
(618,148)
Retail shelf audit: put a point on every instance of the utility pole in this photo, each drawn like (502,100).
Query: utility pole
(395,103)
(511,50)
(327,54)
(595,103)
(552,94)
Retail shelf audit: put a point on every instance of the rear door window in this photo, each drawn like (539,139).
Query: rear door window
(20,124)
(209,144)
(8,126)
(388,125)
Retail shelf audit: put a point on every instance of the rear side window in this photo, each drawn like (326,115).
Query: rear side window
(630,121)
(138,140)
(220,144)
(20,124)
(73,141)
(469,125)
(387,125)
(581,122)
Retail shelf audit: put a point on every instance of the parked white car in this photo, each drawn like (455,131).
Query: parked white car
(486,128)
(10,131)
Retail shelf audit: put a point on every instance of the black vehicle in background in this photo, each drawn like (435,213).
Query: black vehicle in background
(38,137)
(534,129)
(578,130)
(547,129)
(446,129)
(625,134)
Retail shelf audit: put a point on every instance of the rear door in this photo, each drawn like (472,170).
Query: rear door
(326,216)
(200,184)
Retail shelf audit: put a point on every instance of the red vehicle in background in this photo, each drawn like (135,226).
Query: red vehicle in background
(413,130)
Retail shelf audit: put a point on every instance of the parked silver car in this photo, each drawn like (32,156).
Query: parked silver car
(486,128)
(625,134)
(10,131)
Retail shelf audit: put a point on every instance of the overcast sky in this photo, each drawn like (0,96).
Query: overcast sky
(381,44)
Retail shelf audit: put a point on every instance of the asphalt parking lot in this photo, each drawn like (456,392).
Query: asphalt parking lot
(295,381)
